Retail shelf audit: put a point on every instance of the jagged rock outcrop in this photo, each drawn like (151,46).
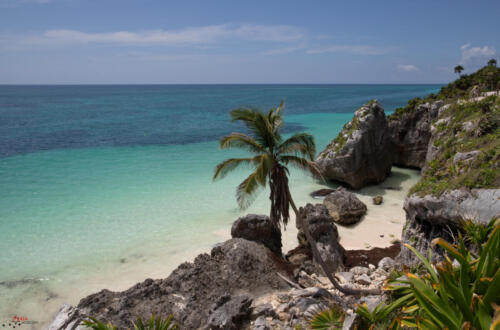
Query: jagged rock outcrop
(410,132)
(324,233)
(236,267)
(362,152)
(431,217)
(258,228)
(229,313)
(344,207)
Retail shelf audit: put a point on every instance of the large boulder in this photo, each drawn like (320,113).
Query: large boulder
(324,233)
(431,217)
(192,293)
(362,152)
(260,229)
(410,132)
(344,207)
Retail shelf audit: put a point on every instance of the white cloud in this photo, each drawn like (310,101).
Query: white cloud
(475,56)
(284,50)
(353,49)
(189,36)
(406,67)
(15,3)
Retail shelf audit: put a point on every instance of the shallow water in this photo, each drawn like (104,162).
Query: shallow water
(85,213)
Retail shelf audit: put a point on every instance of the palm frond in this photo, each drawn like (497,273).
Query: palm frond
(299,144)
(261,129)
(275,117)
(242,141)
(247,190)
(302,164)
(222,169)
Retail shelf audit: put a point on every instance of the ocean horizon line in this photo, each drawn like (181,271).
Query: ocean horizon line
(221,84)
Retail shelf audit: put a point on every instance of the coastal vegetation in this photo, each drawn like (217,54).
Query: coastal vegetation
(486,79)
(154,323)
(460,292)
(468,157)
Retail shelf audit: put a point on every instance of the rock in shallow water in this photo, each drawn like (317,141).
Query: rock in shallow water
(344,207)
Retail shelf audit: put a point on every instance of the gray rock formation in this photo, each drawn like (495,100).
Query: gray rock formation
(321,192)
(344,207)
(68,317)
(430,217)
(258,228)
(411,134)
(325,234)
(229,313)
(236,267)
(362,152)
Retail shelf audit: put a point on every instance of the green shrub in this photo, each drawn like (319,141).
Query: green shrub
(155,323)
(448,297)
(328,319)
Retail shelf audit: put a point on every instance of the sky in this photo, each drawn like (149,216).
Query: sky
(212,41)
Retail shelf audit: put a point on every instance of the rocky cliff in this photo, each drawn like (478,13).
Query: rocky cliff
(458,131)
(362,152)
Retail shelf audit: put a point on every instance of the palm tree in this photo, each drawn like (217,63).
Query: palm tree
(270,156)
(492,62)
(458,69)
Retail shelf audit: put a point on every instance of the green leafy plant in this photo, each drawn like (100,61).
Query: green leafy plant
(154,323)
(477,233)
(381,311)
(327,319)
(95,324)
(463,297)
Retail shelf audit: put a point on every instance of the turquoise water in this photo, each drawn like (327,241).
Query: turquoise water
(102,186)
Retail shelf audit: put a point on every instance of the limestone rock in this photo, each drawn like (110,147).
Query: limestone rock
(364,279)
(229,313)
(345,277)
(411,134)
(386,263)
(258,228)
(360,270)
(236,267)
(430,217)
(262,324)
(344,207)
(68,317)
(325,234)
(321,192)
(465,156)
(362,152)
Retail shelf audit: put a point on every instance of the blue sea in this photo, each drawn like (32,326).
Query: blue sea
(104,186)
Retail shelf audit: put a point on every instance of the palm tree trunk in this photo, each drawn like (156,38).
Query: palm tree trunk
(329,272)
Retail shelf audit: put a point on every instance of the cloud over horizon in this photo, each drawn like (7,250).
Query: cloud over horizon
(201,35)
(476,56)
(352,49)
(407,68)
